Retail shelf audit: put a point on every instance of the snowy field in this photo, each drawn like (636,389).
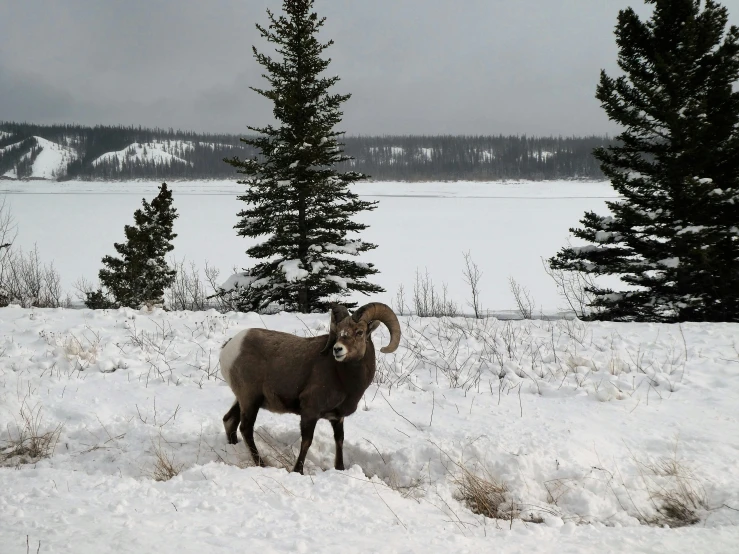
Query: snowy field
(592,436)
(506,227)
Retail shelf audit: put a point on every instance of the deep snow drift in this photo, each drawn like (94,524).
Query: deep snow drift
(590,427)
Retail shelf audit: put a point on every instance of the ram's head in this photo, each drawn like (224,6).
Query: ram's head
(350,333)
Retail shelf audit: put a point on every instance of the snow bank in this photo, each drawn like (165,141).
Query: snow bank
(567,415)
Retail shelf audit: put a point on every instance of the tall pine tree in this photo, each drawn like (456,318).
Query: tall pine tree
(674,237)
(295,197)
(140,274)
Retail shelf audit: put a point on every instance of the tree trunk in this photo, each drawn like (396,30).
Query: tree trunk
(303,303)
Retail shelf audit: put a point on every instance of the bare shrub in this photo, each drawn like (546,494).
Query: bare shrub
(164,467)
(222,300)
(574,287)
(187,291)
(428,302)
(472,276)
(29,440)
(24,279)
(441,346)
(398,303)
(83,287)
(524,300)
(156,348)
(8,233)
(29,282)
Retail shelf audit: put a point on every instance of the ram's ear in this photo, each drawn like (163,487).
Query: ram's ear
(331,332)
(372,326)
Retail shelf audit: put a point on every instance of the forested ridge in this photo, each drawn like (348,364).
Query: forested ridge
(120,153)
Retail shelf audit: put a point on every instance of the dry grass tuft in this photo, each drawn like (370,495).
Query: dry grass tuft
(165,466)
(485,496)
(278,454)
(414,489)
(678,508)
(27,441)
(677,496)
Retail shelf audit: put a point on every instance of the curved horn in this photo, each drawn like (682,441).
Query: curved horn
(337,313)
(375,311)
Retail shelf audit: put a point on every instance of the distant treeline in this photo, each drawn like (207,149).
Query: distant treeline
(420,158)
(173,154)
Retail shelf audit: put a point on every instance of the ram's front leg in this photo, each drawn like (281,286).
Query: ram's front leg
(307,428)
(338,425)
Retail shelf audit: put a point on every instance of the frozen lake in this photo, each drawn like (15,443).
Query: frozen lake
(507,228)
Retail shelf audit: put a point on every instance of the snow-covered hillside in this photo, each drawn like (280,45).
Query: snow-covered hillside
(589,432)
(9,147)
(53,159)
(158,152)
(49,163)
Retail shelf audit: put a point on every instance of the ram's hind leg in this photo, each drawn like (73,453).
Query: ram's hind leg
(231,423)
(249,411)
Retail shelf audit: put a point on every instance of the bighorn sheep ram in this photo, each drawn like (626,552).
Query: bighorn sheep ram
(321,377)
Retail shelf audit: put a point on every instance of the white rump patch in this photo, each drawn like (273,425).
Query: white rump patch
(229,353)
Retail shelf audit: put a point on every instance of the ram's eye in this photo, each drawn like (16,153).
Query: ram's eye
(360,333)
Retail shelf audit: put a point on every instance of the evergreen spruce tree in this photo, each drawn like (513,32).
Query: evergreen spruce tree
(674,237)
(295,197)
(140,274)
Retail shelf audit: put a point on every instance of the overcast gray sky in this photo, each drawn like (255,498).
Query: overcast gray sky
(412,66)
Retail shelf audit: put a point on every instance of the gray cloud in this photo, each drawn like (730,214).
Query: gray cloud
(412,66)
(26,97)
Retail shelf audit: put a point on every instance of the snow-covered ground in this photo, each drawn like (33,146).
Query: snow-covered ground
(507,228)
(587,426)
